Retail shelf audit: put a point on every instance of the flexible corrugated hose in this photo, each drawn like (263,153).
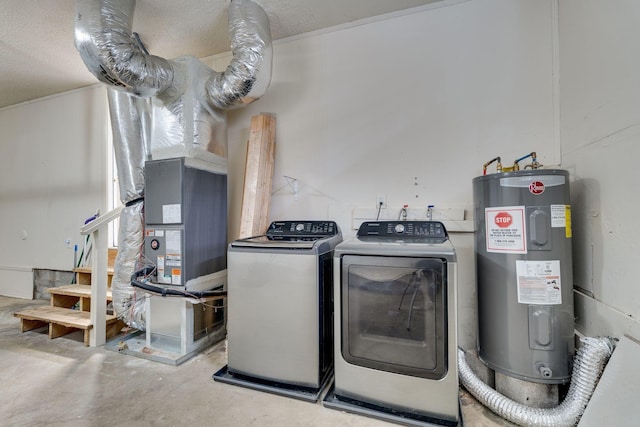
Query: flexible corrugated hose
(590,360)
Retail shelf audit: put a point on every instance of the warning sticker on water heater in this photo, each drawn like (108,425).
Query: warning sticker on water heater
(505,229)
(539,282)
(561,218)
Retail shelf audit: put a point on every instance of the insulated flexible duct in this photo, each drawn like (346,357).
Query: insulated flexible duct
(186,118)
(129,124)
(104,40)
(591,358)
(128,306)
(249,73)
(129,121)
(188,113)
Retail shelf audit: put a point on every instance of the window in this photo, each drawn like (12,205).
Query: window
(113,189)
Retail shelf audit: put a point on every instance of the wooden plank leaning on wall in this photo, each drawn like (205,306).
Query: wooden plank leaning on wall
(258,175)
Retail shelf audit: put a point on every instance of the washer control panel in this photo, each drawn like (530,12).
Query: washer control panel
(400,229)
(315,229)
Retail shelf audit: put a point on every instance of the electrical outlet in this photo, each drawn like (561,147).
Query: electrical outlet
(381,199)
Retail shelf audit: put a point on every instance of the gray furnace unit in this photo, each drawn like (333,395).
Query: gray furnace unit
(524,274)
(185,221)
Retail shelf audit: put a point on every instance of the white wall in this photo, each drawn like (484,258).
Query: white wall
(600,133)
(423,98)
(52,178)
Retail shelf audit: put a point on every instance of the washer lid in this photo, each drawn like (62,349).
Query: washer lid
(266,241)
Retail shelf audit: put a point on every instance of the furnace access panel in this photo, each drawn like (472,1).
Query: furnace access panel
(185,221)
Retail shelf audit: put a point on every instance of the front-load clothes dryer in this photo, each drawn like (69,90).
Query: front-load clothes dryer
(280,326)
(395,324)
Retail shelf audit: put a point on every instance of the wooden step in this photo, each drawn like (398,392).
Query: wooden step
(83,274)
(69,295)
(75,290)
(63,321)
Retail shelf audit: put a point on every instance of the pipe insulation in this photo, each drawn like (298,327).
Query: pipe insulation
(589,362)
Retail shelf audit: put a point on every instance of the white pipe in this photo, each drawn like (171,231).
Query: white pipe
(591,358)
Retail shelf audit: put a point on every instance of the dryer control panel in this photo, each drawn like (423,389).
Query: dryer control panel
(404,229)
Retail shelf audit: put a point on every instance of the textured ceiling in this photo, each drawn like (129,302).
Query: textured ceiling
(38,57)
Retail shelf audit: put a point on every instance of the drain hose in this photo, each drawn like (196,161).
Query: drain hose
(591,358)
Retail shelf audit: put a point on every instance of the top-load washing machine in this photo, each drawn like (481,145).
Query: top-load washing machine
(395,324)
(280,326)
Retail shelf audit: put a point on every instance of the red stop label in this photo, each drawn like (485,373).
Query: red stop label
(503,219)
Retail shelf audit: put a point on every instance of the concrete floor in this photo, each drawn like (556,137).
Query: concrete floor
(61,382)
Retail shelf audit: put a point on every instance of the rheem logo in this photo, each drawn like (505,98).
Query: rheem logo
(536,187)
(503,219)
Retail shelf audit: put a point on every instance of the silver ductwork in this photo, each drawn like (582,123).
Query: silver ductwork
(105,43)
(187,117)
(130,119)
(190,99)
(589,362)
(130,123)
(248,75)
(128,306)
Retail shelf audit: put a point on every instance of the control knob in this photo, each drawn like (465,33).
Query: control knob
(399,228)
(299,227)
